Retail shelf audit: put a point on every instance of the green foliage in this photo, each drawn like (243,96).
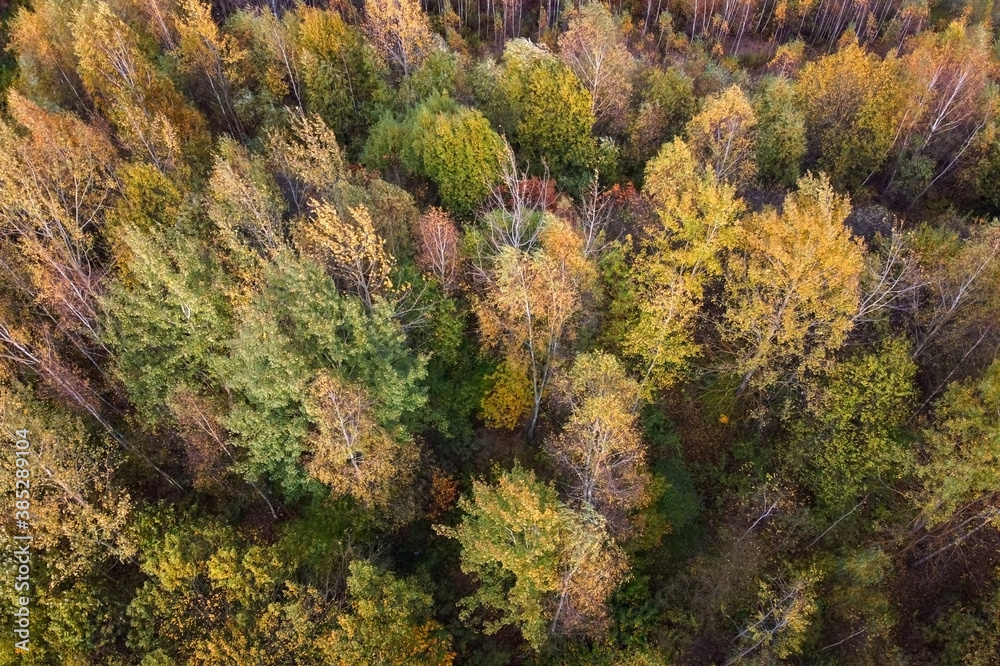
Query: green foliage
(168,318)
(668,103)
(853,441)
(298,326)
(781,132)
(544,109)
(542,567)
(389,623)
(450,144)
(510,541)
(440,74)
(963,448)
(340,73)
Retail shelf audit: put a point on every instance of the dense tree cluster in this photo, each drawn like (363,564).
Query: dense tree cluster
(503,331)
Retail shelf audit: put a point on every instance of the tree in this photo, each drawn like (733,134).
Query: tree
(792,289)
(212,596)
(668,103)
(781,132)
(400,32)
(599,453)
(951,298)
(544,107)
(214,62)
(450,144)
(461,153)
(341,79)
(272,59)
(308,162)
(852,438)
(244,201)
(962,448)
(80,518)
(296,328)
(852,102)
(437,247)
(42,39)
(697,223)
(949,104)
(531,302)
(351,453)
(389,622)
(168,318)
(79,513)
(542,567)
(724,136)
(594,47)
(57,183)
(785,611)
(350,250)
(152,119)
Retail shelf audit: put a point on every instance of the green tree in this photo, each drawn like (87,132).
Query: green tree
(167,316)
(340,74)
(853,439)
(963,447)
(542,106)
(668,103)
(389,622)
(542,567)
(298,326)
(450,144)
(781,132)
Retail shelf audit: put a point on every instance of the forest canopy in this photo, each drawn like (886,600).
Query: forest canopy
(501,331)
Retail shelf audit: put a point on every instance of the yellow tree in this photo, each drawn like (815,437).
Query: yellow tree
(351,453)
(79,515)
(153,120)
(43,44)
(599,452)
(724,136)
(308,159)
(530,304)
(350,249)
(399,31)
(594,47)
(853,103)
(697,221)
(792,288)
(244,201)
(213,60)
